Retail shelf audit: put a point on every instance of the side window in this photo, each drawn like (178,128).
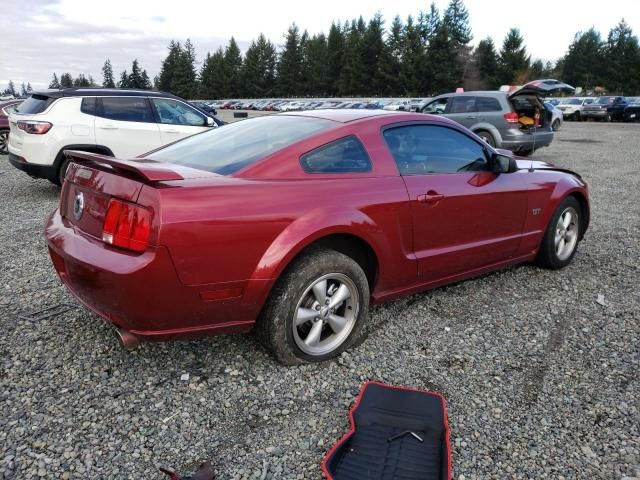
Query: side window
(126,109)
(346,155)
(463,104)
(437,106)
(88,105)
(430,149)
(487,104)
(177,113)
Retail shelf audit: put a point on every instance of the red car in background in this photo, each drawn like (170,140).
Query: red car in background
(6,107)
(293,224)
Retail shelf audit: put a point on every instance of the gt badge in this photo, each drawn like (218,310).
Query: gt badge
(536,211)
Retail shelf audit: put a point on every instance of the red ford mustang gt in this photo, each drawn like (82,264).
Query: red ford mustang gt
(293,224)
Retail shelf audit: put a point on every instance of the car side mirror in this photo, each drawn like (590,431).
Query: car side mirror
(503,164)
(210,123)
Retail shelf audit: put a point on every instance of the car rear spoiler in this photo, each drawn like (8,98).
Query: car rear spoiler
(148,170)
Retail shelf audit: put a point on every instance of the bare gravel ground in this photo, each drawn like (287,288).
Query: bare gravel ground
(541,380)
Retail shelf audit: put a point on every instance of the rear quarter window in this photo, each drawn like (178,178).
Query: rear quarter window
(346,155)
(35,104)
(88,105)
(126,109)
(488,104)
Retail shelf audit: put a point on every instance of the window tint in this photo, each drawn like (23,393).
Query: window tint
(88,105)
(437,106)
(35,104)
(126,109)
(346,155)
(462,105)
(237,145)
(177,113)
(428,149)
(488,104)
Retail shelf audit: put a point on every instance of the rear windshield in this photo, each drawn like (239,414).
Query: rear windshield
(35,104)
(225,150)
(604,100)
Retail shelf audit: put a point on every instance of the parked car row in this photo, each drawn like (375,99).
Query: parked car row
(280,105)
(606,108)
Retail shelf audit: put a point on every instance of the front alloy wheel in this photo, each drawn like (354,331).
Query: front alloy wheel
(561,239)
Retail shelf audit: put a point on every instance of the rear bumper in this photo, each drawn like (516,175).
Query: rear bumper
(143,294)
(522,141)
(33,169)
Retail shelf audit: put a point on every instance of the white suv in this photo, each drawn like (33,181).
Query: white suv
(119,123)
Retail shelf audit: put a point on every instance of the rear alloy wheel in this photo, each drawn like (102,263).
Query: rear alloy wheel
(317,310)
(4,142)
(487,137)
(555,125)
(561,239)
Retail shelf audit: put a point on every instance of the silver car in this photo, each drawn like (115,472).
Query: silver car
(516,120)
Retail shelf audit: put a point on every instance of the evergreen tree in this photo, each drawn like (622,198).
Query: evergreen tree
(257,73)
(456,18)
(212,80)
(66,80)
(290,64)
(537,69)
(353,79)
(124,80)
(23,90)
(413,69)
(169,64)
(446,75)
(146,83)
(55,83)
(513,65)
(82,81)
(315,54)
(428,23)
(335,57)
(138,78)
(29,89)
(395,48)
(486,60)
(583,63)
(107,75)
(622,58)
(11,89)
(374,53)
(232,67)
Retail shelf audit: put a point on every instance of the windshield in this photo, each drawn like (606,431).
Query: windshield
(227,149)
(35,104)
(604,100)
(574,101)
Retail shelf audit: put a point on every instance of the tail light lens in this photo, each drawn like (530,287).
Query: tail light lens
(127,226)
(34,127)
(511,117)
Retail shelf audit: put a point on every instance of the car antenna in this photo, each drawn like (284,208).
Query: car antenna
(535,130)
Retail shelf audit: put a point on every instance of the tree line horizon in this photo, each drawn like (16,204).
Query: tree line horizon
(423,56)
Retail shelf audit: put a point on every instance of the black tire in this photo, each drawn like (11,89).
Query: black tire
(555,125)
(577,117)
(547,256)
(62,171)
(275,326)
(4,142)
(527,152)
(487,137)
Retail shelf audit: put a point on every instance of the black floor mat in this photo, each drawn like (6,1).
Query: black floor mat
(396,433)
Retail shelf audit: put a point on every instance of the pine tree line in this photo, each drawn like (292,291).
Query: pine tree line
(421,56)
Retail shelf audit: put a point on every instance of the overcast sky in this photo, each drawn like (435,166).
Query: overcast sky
(39,37)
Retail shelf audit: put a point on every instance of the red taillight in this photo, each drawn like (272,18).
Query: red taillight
(127,226)
(33,127)
(511,117)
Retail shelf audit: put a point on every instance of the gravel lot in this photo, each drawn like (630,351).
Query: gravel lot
(541,379)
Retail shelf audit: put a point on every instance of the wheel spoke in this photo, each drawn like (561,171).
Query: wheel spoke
(570,234)
(320,291)
(340,296)
(313,338)
(566,219)
(336,322)
(304,315)
(560,246)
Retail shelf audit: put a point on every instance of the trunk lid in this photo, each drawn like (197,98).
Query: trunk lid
(542,88)
(93,180)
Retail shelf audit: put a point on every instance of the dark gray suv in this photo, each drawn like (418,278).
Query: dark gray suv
(516,120)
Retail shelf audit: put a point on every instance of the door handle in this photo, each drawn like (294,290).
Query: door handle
(109,127)
(431,197)
(171,131)
(471,117)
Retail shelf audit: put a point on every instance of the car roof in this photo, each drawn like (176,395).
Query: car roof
(104,92)
(343,115)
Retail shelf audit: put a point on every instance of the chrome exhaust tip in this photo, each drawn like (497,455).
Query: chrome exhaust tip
(127,339)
